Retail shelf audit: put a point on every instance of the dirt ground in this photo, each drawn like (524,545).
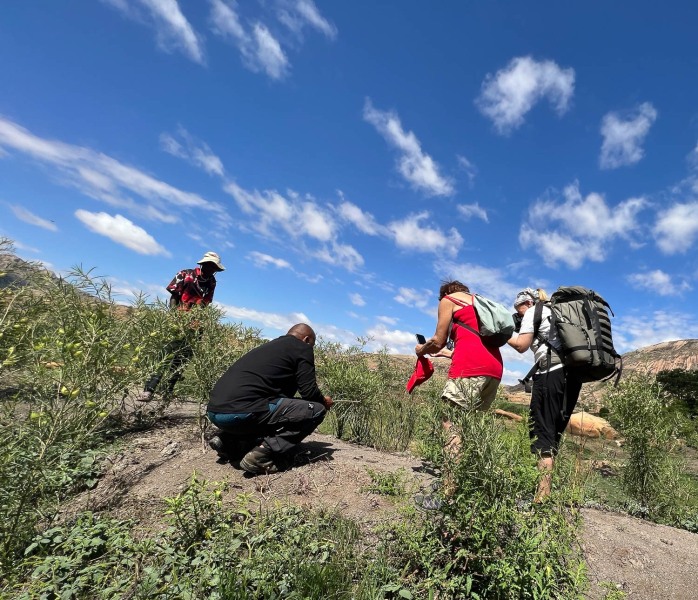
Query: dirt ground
(645,560)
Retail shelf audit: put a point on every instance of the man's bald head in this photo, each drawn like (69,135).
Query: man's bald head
(303,332)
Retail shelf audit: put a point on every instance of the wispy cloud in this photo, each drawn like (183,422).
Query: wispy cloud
(676,229)
(262,260)
(299,14)
(173,30)
(104,178)
(395,340)
(418,168)
(659,283)
(192,150)
(280,322)
(411,233)
(29,217)
(299,218)
(624,134)
(640,330)
(575,228)
(387,320)
(513,91)
(259,49)
(363,221)
(468,211)
(357,300)
(469,168)
(122,231)
(490,282)
(413,298)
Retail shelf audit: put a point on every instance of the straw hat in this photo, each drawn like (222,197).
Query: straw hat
(213,258)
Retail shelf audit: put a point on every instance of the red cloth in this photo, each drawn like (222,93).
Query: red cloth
(471,358)
(422,371)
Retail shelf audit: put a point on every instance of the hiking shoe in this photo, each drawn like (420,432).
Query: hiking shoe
(145,396)
(217,444)
(259,460)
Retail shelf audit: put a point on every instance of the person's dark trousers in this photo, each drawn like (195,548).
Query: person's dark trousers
(554,397)
(181,353)
(286,423)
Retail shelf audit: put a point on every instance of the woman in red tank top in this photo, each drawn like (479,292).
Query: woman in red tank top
(476,369)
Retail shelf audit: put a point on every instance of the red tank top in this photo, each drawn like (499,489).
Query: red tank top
(471,358)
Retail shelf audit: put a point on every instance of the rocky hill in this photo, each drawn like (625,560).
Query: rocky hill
(679,354)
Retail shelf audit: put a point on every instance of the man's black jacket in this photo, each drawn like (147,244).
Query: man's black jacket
(279,368)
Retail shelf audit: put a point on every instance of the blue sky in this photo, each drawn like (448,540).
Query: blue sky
(344,158)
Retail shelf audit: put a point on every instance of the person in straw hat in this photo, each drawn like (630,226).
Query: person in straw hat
(188,288)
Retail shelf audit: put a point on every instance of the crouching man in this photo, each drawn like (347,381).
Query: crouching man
(253,402)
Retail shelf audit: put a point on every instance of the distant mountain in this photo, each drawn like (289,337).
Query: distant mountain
(14,270)
(679,354)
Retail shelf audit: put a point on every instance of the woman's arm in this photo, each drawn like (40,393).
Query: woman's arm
(521,342)
(438,340)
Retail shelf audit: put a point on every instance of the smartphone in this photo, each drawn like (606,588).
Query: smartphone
(420,338)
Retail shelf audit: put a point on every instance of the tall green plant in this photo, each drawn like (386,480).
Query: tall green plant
(653,472)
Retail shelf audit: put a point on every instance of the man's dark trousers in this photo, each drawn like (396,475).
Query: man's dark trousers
(286,423)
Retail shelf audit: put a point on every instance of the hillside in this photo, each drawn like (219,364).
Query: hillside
(647,561)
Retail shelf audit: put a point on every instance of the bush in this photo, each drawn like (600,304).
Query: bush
(488,541)
(653,473)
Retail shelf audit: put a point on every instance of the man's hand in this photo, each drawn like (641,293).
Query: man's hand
(328,402)
(419,349)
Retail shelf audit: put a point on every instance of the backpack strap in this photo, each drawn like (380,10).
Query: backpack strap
(456,301)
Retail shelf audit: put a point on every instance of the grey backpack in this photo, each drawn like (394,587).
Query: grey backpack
(581,318)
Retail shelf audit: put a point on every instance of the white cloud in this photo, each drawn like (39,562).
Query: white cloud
(28,217)
(363,221)
(414,298)
(576,228)
(104,178)
(623,136)
(272,210)
(418,168)
(638,331)
(341,255)
(410,233)
(276,321)
(676,229)
(469,168)
(171,26)
(508,95)
(304,13)
(193,151)
(487,281)
(468,211)
(298,219)
(259,49)
(122,231)
(659,283)
(357,300)
(387,320)
(267,54)
(262,260)
(395,340)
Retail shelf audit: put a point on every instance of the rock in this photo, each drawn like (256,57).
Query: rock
(588,425)
(508,415)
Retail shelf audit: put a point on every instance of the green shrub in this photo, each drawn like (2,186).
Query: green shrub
(488,540)
(653,474)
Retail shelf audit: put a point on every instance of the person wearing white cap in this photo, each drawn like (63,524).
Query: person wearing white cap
(188,288)
(555,391)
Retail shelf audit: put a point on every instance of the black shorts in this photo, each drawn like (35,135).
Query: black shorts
(555,394)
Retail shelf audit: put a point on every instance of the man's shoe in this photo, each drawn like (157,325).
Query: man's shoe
(216,444)
(258,461)
(145,396)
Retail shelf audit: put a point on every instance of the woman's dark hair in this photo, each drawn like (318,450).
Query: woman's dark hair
(450,287)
